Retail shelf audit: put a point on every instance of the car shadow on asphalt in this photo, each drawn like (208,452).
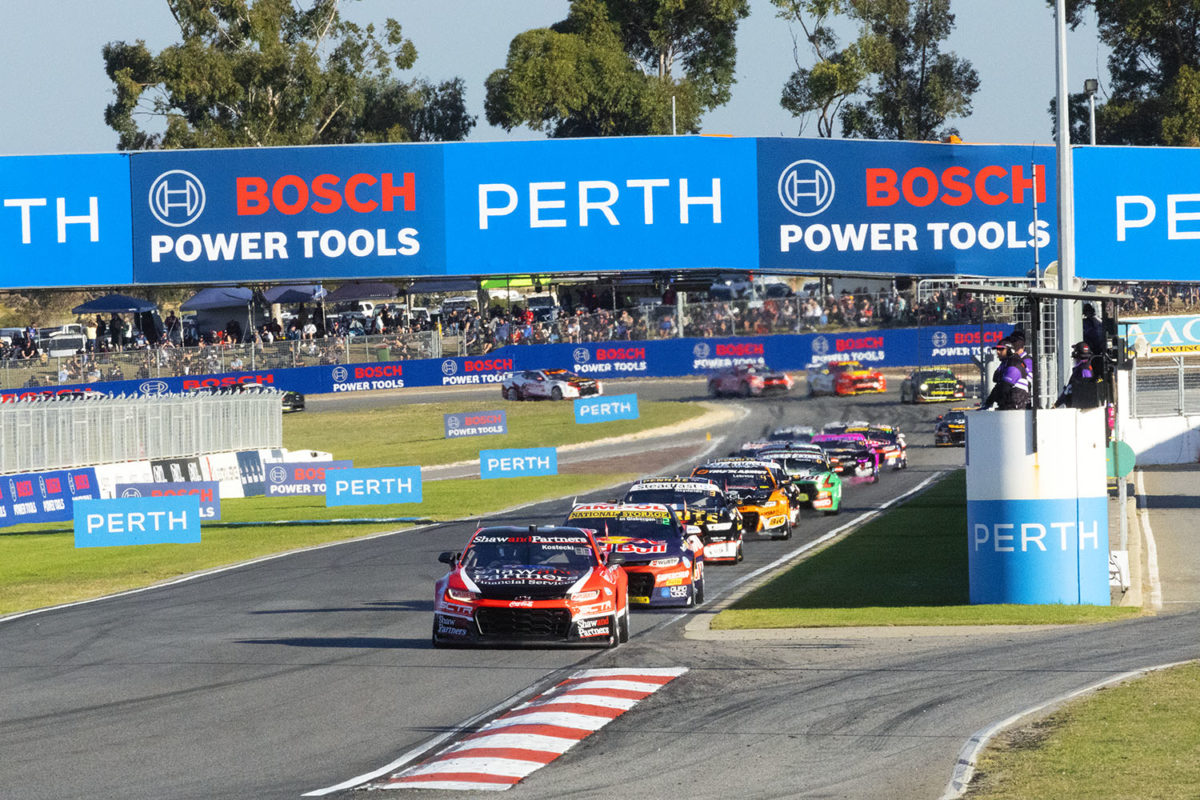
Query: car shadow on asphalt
(349,642)
(405,605)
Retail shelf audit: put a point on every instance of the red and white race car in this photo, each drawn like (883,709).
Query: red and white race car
(746,380)
(535,584)
(548,384)
(845,377)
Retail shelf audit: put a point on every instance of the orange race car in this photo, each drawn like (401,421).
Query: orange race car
(764,494)
(845,377)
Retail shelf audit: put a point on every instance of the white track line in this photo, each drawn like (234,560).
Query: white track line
(964,769)
(1143,515)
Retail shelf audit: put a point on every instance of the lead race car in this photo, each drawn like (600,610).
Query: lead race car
(664,563)
(703,507)
(534,585)
(548,384)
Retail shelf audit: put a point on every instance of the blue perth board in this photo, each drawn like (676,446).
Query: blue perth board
(373,486)
(137,520)
(518,463)
(605,408)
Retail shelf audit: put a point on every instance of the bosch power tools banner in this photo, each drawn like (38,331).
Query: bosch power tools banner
(64,221)
(905,207)
(600,204)
(202,216)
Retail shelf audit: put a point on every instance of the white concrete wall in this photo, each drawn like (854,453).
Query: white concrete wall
(1157,440)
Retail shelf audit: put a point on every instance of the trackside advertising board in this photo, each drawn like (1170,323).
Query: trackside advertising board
(301,477)
(600,204)
(475,423)
(1163,336)
(373,486)
(518,463)
(127,521)
(287,213)
(45,496)
(207,492)
(64,221)
(606,408)
(909,208)
(1137,213)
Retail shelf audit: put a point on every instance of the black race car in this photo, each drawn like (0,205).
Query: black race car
(951,429)
(931,385)
(701,504)
(293,401)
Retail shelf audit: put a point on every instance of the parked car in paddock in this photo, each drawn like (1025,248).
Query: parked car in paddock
(850,455)
(762,491)
(845,378)
(548,384)
(888,443)
(749,380)
(931,386)
(812,473)
(951,428)
(662,561)
(702,507)
(531,585)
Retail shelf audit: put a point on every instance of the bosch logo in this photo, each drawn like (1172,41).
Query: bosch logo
(449,366)
(176,198)
(939,338)
(701,350)
(277,474)
(340,374)
(453,421)
(806,187)
(582,355)
(820,345)
(130,492)
(153,388)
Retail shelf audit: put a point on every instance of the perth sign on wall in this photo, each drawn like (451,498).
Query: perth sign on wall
(619,203)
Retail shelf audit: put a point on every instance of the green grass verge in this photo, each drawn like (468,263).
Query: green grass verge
(407,435)
(1140,739)
(908,567)
(40,565)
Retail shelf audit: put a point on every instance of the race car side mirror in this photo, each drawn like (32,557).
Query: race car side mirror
(615,559)
(448,557)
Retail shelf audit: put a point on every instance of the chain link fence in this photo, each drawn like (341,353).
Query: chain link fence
(1165,386)
(56,433)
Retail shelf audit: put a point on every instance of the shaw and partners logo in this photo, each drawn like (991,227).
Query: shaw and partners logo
(806,187)
(177,198)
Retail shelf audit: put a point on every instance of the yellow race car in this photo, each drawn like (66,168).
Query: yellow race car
(765,496)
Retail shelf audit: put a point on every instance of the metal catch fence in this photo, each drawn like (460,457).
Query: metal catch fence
(64,432)
(1165,386)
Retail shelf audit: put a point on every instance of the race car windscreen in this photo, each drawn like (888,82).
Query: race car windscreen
(705,500)
(636,527)
(798,462)
(511,550)
(741,480)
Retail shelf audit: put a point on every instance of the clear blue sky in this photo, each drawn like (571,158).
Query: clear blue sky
(53,89)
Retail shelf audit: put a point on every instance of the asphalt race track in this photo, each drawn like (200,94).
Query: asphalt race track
(296,674)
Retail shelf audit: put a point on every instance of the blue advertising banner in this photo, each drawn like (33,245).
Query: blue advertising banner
(125,521)
(518,463)
(1137,213)
(1163,336)
(47,496)
(600,204)
(208,493)
(908,208)
(373,486)
(605,409)
(300,477)
(202,216)
(64,221)
(935,345)
(475,423)
(6,510)
(253,476)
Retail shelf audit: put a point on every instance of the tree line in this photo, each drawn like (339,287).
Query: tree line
(249,73)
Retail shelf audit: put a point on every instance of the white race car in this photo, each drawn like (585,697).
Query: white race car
(552,384)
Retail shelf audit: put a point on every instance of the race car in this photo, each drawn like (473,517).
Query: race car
(749,380)
(535,585)
(701,506)
(293,401)
(792,433)
(764,495)
(750,449)
(812,473)
(850,454)
(845,377)
(951,428)
(664,563)
(887,441)
(548,384)
(930,386)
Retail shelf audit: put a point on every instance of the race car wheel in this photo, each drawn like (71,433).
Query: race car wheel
(434,638)
(787,532)
(614,636)
(833,512)
(623,625)
(875,476)
(744,390)
(505,393)
(712,389)
(556,393)
(698,590)
(740,554)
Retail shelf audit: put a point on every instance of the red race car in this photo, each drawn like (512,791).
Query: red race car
(845,377)
(749,380)
(534,585)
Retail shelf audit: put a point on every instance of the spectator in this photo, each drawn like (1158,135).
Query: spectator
(116,332)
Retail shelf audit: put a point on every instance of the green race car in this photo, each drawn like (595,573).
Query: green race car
(809,468)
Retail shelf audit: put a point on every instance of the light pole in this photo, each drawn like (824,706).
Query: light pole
(1065,312)
(1090,85)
